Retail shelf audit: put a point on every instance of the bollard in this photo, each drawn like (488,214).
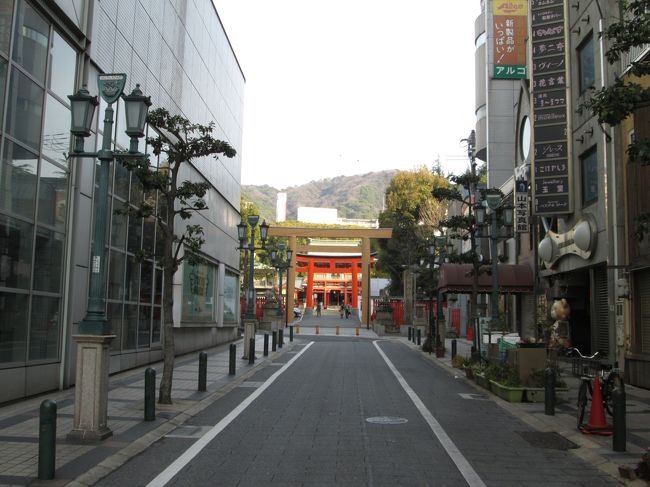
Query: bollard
(317,329)
(149,394)
(266,344)
(251,351)
(297,328)
(47,440)
(233,354)
(274,341)
(419,336)
(472,351)
(620,427)
(409,333)
(203,371)
(338,329)
(454,348)
(280,338)
(357,331)
(291,333)
(549,392)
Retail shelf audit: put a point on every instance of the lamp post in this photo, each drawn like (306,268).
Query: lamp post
(281,258)
(95,333)
(443,248)
(499,213)
(249,319)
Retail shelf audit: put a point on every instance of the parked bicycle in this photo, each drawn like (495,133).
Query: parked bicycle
(586,367)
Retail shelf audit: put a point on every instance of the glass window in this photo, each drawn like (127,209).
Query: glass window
(13,327)
(116,275)
(31,40)
(48,260)
(589,165)
(56,132)
(18,180)
(123,140)
(118,230)
(146,282)
(130,326)
(114,316)
(587,74)
(45,328)
(198,292)
(6,10)
(3,80)
(135,234)
(63,67)
(132,290)
(155,324)
(121,186)
(52,196)
(157,297)
(16,250)
(148,235)
(230,295)
(24,110)
(144,327)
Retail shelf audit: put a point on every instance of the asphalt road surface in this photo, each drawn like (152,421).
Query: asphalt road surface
(355,412)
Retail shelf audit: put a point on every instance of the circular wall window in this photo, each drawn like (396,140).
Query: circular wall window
(524,139)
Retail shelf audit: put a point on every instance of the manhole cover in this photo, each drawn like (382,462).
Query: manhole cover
(386,420)
(550,439)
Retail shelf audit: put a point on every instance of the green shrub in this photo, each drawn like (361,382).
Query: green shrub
(536,379)
(504,374)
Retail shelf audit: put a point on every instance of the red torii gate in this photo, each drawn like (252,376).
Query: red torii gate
(332,266)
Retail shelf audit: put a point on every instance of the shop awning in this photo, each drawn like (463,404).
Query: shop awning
(513,278)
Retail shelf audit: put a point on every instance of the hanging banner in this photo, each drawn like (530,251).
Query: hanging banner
(509,32)
(551,160)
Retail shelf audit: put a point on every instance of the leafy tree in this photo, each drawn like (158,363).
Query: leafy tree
(413,214)
(178,201)
(613,104)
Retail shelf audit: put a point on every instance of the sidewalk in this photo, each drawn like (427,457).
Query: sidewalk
(596,450)
(87,463)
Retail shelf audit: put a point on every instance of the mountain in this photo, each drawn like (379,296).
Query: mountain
(359,196)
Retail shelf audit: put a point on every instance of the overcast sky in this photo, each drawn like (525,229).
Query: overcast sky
(344,87)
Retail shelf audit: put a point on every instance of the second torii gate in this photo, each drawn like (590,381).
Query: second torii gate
(365,234)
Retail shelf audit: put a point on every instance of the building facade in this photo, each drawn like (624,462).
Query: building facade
(179,54)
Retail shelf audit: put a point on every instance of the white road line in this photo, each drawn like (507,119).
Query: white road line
(175,467)
(466,470)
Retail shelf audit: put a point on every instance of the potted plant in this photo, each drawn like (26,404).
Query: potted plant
(504,382)
(478,371)
(535,387)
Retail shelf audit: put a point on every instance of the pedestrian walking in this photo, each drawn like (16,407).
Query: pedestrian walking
(318,308)
(347,311)
(342,310)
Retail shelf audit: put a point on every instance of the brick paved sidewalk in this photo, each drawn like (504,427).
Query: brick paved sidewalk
(19,422)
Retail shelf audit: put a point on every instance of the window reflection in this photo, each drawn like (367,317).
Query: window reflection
(135,234)
(13,327)
(144,327)
(121,186)
(114,316)
(15,253)
(56,133)
(45,330)
(6,9)
(146,282)
(24,109)
(156,324)
(31,40)
(116,275)
(48,260)
(3,76)
(118,232)
(18,180)
(132,279)
(52,196)
(130,326)
(63,66)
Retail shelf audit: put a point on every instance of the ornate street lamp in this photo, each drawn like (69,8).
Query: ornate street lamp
(250,247)
(281,258)
(95,333)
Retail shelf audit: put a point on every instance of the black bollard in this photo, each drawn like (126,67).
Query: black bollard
(149,394)
(291,333)
(620,426)
(47,440)
(472,351)
(274,341)
(233,354)
(203,371)
(549,392)
(454,348)
(251,351)
(280,338)
(266,344)
(419,336)
(409,333)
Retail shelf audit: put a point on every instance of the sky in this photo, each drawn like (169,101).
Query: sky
(346,87)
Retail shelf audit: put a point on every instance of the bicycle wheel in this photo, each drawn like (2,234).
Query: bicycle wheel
(582,403)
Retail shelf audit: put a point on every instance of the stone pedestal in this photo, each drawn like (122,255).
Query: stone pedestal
(249,332)
(91,388)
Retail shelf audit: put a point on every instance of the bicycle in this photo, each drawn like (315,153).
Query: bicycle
(586,367)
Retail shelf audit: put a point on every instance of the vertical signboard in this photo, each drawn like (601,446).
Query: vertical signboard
(521,200)
(551,159)
(509,26)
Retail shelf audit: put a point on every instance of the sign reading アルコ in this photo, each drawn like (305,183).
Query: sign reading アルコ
(510,23)
(551,159)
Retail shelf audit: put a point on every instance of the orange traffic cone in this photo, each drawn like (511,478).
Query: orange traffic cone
(597,424)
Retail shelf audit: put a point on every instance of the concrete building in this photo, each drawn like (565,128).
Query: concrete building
(180,55)
(281,207)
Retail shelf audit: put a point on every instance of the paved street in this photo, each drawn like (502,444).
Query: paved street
(322,410)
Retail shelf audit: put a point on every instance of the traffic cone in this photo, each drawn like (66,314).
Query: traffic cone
(597,424)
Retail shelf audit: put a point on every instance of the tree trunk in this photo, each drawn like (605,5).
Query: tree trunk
(169,269)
